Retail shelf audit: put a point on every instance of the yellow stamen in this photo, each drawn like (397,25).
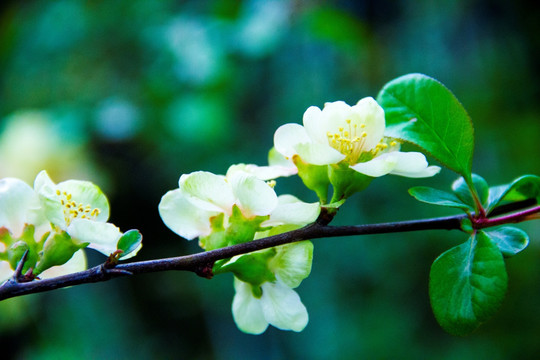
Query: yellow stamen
(73,210)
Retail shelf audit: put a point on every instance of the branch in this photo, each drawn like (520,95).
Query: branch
(202,263)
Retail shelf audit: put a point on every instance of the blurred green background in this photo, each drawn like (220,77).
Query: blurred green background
(131,94)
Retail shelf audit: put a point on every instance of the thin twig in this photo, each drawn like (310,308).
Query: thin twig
(17,275)
(201,263)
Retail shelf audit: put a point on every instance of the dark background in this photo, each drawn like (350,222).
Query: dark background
(131,94)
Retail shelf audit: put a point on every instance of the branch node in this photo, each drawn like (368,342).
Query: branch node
(18,276)
(205,271)
(326,216)
(107,270)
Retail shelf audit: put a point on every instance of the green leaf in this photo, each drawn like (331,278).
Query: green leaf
(421,110)
(509,239)
(131,241)
(463,192)
(437,197)
(467,284)
(522,188)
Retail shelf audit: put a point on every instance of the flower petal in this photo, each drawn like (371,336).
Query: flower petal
(263,172)
(319,154)
(19,205)
(184,218)
(209,191)
(50,201)
(101,236)
(75,264)
(255,197)
(413,164)
(282,307)
(87,194)
(5,271)
(379,166)
(370,114)
(292,263)
(287,137)
(316,125)
(247,310)
(292,211)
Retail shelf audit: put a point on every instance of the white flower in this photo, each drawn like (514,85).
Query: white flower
(81,209)
(202,195)
(352,134)
(20,207)
(275,302)
(279,306)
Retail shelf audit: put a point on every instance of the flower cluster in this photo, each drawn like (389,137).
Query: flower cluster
(53,222)
(238,207)
(345,146)
(342,146)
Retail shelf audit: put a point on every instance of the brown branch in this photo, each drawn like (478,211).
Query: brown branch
(201,263)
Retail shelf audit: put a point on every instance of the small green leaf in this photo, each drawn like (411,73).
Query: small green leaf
(129,242)
(467,226)
(421,110)
(522,188)
(509,239)
(467,284)
(437,197)
(462,190)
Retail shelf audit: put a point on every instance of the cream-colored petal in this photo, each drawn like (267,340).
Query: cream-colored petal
(292,262)
(319,154)
(413,164)
(315,125)
(5,271)
(292,211)
(287,137)
(184,218)
(335,115)
(50,201)
(369,117)
(319,123)
(210,188)
(379,166)
(282,307)
(263,172)
(75,264)
(255,197)
(101,236)
(86,193)
(247,310)
(19,205)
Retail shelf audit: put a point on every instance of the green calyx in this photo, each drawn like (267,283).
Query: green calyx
(315,177)
(238,230)
(251,268)
(57,250)
(346,181)
(16,247)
